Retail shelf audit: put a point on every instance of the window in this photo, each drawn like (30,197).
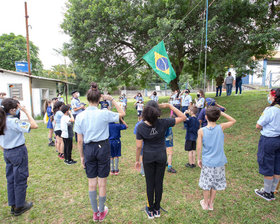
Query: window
(16,91)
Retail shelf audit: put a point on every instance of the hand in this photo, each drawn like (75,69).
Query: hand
(199,163)
(22,108)
(138,166)
(187,111)
(164,105)
(83,162)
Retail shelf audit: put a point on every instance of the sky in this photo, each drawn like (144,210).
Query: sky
(45,17)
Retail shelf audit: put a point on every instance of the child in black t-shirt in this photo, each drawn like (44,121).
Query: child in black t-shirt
(192,126)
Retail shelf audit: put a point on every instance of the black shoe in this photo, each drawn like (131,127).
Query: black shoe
(193,165)
(263,194)
(72,161)
(66,162)
(26,207)
(171,170)
(12,210)
(51,144)
(188,165)
(272,196)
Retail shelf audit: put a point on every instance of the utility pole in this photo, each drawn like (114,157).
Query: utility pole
(28,58)
(205,67)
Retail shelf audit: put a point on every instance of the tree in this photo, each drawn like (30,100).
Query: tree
(13,48)
(108,36)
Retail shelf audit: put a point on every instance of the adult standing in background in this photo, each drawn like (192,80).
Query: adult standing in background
(229,82)
(77,106)
(219,85)
(186,99)
(238,84)
(2,95)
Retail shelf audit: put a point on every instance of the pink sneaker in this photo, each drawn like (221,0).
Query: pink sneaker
(96,216)
(117,172)
(102,215)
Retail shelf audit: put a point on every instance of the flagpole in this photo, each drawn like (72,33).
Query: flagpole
(205,66)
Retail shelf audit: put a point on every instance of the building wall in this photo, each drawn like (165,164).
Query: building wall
(9,78)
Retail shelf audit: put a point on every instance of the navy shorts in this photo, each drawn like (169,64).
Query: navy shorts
(97,159)
(139,113)
(169,143)
(58,133)
(190,145)
(115,148)
(269,155)
(184,108)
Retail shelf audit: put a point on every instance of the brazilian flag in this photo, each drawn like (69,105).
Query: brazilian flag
(158,59)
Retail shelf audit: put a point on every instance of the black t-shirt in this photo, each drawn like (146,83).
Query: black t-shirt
(154,138)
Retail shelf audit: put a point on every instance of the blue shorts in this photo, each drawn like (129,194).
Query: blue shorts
(169,143)
(184,108)
(116,146)
(139,113)
(269,155)
(97,159)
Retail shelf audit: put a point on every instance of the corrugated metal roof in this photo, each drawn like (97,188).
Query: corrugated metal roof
(35,77)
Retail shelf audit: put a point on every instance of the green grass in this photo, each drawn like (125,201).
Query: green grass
(60,192)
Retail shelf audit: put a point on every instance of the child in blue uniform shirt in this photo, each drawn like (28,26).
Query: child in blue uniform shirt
(115,144)
(269,146)
(169,149)
(211,141)
(192,126)
(141,153)
(15,153)
(49,111)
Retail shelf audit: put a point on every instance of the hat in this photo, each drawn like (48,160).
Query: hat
(210,102)
(74,92)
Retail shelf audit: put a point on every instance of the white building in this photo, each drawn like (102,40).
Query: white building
(17,84)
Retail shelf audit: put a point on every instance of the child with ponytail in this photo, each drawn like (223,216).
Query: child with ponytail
(15,153)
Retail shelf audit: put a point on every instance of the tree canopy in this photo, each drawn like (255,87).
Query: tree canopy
(13,48)
(108,36)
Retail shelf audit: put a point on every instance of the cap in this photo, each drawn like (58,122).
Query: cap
(210,102)
(74,92)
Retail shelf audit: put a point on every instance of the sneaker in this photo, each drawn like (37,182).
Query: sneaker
(157,213)
(51,144)
(12,210)
(142,173)
(272,196)
(117,172)
(263,194)
(188,165)
(96,216)
(102,215)
(66,162)
(62,156)
(149,214)
(193,165)
(112,172)
(171,170)
(72,161)
(26,207)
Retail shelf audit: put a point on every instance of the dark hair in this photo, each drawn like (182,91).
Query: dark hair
(46,105)
(276,94)
(2,121)
(6,105)
(188,91)
(57,106)
(229,73)
(201,93)
(151,112)
(194,109)
(213,113)
(93,94)
(178,94)
(155,93)
(65,108)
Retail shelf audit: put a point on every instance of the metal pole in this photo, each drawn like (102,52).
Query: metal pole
(206,29)
(28,58)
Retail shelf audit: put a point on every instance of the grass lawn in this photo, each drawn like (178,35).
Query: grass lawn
(60,192)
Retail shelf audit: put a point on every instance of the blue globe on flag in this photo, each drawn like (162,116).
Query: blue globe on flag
(162,63)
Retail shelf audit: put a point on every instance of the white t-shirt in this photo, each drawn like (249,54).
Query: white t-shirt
(65,120)
(140,106)
(122,105)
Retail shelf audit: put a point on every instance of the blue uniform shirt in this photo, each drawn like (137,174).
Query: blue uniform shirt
(169,137)
(93,124)
(154,98)
(115,131)
(192,126)
(186,100)
(200,102)
(176,100)
(75,103)
(201,117)
(57,118)
(125,101)
(104,104)
(13,134)
(270,121)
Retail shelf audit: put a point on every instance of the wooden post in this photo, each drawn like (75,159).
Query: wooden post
(28,58)
(66,92)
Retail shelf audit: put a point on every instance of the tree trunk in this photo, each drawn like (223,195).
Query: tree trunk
(178,69)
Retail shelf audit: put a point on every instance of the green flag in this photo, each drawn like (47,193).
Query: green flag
(158,59)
